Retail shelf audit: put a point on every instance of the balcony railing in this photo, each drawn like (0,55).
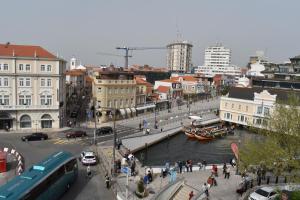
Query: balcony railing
(26,107)
(116,81)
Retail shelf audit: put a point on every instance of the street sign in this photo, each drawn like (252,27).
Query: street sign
(125,170)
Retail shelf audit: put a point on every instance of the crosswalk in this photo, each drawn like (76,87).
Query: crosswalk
(64,141)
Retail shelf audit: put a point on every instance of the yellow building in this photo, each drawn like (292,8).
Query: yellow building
(114,88)
(250,106)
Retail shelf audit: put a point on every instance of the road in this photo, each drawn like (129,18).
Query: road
(35,151)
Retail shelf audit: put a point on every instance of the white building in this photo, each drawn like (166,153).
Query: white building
(32,88)
(211,71)
(179,58)
(217,56)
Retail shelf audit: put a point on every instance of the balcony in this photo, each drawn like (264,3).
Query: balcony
(116,82)
(31,107)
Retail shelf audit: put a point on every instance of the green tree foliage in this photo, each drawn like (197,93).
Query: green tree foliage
(279,150)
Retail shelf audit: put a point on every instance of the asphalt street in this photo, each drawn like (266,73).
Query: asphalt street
(35,151)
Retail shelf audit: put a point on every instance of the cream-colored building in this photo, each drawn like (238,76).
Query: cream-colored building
(32,88)
(250,106)
(114,88)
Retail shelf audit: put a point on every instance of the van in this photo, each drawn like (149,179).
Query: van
(104,130)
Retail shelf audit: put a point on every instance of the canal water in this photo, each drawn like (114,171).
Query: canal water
(180,147)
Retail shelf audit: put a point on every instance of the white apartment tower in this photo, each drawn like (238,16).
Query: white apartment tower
(217,56)
(179,58)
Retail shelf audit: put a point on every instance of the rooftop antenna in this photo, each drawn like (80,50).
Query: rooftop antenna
(178,34)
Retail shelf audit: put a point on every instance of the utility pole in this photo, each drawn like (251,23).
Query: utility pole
(95,116)
(189,103)
(115,138)
(155,121)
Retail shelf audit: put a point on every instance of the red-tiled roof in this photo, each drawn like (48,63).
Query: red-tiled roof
(75,72)
(89,79)
(169,81)
(163,89)
(185,78)
(141,81)
(24,51)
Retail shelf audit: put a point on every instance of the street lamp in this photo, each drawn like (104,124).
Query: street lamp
(155,121)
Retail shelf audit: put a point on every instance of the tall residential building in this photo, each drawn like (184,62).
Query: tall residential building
(217,56)
(32,88)
(113,89)
(179,58)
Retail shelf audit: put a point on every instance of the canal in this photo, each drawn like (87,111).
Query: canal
(180,147)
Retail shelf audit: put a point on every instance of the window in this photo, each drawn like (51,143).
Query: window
(132,103)
(116,90)
(46,100)
(28,82)
(43,68)
(49,68)
(21,67)
(115,103)
(232,105)
(99,90)
(27,67)
(25,100)
(21,81)
(4,99)
(25,121)
(42,82)
(49,82)
(121,90)
(126,105)
(71,165)
(259,109)
(109,104)
(258,121)
(5,67)
(239,107)
(266,111)
(246,108)
(5,81)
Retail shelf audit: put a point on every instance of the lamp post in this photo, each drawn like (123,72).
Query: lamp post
(115,138)
(155,121)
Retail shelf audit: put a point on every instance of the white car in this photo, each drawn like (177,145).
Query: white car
(88,158)
(264,193)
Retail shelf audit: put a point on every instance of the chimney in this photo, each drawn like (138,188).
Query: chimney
(6,45)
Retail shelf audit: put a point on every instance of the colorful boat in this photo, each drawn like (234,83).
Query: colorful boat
(203,137)
(189,134)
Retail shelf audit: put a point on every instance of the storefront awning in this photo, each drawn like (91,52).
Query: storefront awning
(123,112)
(145,107)
(133,110)
(128,111)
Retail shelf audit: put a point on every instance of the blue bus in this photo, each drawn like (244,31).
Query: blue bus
(49,179)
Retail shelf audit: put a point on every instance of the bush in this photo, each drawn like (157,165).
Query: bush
(295,195)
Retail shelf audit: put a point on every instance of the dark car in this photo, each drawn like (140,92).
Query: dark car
(75,134)
(104,130)
(35,136)
(74,114)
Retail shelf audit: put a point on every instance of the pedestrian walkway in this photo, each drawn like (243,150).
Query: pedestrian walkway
(48,131)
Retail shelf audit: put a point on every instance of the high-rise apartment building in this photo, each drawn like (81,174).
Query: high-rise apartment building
(32,88)
(217,56)
(179,58)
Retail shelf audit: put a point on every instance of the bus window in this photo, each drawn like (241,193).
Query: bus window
(43,186)
(71,165)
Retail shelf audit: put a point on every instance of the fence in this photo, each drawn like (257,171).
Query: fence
(20,159)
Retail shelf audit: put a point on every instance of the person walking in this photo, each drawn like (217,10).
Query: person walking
(224,168)
(205,189)
(88,172)
(227,173)
(187,166)
(191,165)
(204,164)
(180,166)
(191,194)
(107,181)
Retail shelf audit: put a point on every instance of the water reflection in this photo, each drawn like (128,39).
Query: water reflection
(179,147)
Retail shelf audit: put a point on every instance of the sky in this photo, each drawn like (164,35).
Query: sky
(89,28)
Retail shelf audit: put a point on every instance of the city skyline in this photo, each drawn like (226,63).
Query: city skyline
(84,29)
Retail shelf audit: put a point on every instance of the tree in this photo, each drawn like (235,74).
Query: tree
(279,149)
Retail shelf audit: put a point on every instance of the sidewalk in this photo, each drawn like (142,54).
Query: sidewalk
(54,130)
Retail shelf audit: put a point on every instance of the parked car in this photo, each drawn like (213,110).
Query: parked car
(35,136)
(74,114)
(104,130)
(75,134)
(88,158)
(264,193)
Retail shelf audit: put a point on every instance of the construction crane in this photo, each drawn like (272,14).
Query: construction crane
(127,49)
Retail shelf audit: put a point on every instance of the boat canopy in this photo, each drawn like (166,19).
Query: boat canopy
(193,117)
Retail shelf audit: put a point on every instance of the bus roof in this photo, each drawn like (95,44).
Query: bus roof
(193,117)
(22,183)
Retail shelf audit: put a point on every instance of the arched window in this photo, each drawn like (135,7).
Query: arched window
(46,121)
(25,121)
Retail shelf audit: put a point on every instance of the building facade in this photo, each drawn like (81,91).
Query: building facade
(179,58)
(114,89)
(251,106)
(211,71)
(175,88)
(32,88)
(217,56)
